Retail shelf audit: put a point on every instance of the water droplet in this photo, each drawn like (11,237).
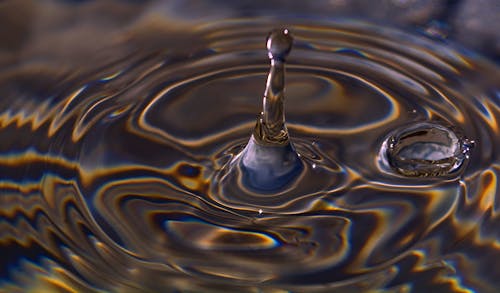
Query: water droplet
(269,172)
(426,150)
(437,29)
(269,161)
(279,44)
(270,128)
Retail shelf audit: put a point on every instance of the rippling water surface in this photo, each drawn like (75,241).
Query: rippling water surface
(109,176)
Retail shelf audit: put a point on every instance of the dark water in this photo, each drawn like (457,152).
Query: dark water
(110,171)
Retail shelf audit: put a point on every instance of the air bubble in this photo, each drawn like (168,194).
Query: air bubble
(426,150)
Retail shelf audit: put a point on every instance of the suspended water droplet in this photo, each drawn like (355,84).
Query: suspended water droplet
(426,149)
(279,44)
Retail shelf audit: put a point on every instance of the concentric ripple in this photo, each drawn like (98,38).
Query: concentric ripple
(111,180)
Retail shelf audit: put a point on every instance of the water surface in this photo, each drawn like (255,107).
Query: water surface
(110,169)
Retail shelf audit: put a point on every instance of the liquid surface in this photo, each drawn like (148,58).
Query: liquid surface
(111,177)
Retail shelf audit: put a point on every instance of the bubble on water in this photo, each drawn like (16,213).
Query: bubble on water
(426,150)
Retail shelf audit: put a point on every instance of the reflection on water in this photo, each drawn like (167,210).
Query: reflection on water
(111,160)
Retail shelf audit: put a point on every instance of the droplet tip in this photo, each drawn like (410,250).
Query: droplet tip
(279,44)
